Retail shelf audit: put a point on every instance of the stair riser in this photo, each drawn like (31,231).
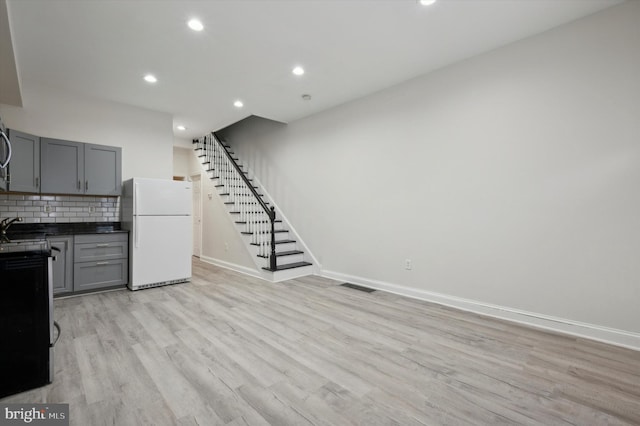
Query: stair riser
(285,247)
(283,260)
(280,236)
(279,248)
(243,228)
(289,274)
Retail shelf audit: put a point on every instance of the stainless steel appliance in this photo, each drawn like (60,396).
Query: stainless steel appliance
(5,155)
(26,316)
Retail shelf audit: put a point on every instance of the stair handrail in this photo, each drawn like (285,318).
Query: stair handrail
(271,212)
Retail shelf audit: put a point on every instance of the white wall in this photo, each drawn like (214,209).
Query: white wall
(510,179)
(146,137)
(221,241)
(181,161)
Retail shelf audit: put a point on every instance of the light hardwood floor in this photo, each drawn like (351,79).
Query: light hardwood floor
(227,349)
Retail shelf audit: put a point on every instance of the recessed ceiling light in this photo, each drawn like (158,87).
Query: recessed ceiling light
(150,78)
(181,127)
(238,104)
(426,2)
(195,25)
(298,71)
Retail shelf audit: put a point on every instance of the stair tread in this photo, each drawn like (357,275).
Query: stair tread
(253,211)
(288,266)
(284,253)
(241,222)
(278,242)
(277,231)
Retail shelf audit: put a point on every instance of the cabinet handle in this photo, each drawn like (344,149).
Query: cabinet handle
(79,185)
(101,263)
(37,182)
(86,185)
(102,245)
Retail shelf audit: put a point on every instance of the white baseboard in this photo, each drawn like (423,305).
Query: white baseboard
(232,266)
(611,336)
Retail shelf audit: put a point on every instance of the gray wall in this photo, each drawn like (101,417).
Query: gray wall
(509,179)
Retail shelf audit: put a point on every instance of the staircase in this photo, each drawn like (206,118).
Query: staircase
(276,252)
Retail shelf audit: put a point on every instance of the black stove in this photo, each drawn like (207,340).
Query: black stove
(26,315)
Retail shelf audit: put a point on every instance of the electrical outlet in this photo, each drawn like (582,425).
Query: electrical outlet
(47,209)
(408,264)
(92,209)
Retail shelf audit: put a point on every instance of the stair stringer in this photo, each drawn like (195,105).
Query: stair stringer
(272,276)
(294,234)
(287,274)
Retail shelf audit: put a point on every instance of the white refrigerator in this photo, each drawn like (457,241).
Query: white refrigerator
(157,213)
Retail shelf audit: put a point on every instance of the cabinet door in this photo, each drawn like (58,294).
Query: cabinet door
(62,265)
(24,168)
(62,166)
(102,170)
(100,274)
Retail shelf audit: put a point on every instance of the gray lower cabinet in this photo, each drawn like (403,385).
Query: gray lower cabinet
(24,168)
(100,261)
(63,264)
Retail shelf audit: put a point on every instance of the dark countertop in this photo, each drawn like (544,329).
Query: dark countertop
(34,231)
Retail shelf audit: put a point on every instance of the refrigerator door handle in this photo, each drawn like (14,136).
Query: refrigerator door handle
(135,198)
(136,232)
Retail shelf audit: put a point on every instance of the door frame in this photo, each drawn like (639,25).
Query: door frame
(194,178)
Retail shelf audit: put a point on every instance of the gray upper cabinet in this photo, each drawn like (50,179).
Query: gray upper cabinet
(24,168)
(62,166)
(102,170)
(78,168)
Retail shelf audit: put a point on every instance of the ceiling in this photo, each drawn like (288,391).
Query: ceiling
(247,50)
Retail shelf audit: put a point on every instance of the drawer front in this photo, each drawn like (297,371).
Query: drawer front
(84,252)
(102,238)
(94,275)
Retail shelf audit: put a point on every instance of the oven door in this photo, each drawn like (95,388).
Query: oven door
(25,322)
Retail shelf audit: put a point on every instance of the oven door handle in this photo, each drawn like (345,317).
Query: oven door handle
(57,326)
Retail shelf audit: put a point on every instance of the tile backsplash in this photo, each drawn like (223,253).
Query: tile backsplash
(35,208)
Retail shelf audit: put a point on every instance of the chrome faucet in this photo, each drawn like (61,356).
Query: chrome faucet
(4,226)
